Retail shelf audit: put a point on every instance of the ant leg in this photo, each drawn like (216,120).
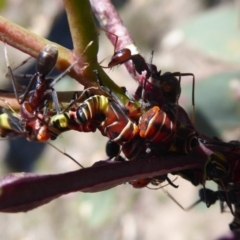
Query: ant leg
(174,200)
(171,183)
(112,94)
(192,205)
(63,74)
(227,198)
(66,154)
(85,94)
(70,67)
(10,73)
(110,33)
(73,101)
(13,80)
(55,101)
(7,104)
(23,76)
(193,94)
(151,59)
(23,63)
(29,87)
(158,183)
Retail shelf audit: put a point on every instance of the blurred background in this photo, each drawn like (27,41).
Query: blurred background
(200,37)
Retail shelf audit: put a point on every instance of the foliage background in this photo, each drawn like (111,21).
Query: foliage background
(201,37)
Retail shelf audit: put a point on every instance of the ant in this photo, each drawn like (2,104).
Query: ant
(208,196)
(113,150)
(166,83)
(11,126)
(161,89)
(155,181)
(32,102)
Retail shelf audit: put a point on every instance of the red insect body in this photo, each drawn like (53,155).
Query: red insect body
(140,183)
(108,117)
(156,126)
(120,57)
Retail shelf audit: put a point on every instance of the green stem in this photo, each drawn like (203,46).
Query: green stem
(85,40)
(82,27)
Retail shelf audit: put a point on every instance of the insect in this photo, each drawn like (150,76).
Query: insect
(155,87)
(235,224)
(216,168)
(123,55)
(232,196)
(155,181)
(210,197)
(30,101)
(112,149)
(33,101)
(169,123)
(219,169)
(222,170)
(111,118)
(157,127)
(108,117)
(10,124)
(166,123)
(133,149)
(136,148)
(67,121)
(160,90)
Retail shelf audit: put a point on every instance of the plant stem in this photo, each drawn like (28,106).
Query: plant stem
(82,27)
(112,23)
(84,32)
(30,43)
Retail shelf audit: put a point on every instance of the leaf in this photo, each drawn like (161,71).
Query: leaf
(216,32)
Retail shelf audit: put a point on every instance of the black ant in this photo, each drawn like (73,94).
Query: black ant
(161,89)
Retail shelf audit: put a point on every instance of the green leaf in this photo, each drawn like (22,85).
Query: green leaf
(216,32)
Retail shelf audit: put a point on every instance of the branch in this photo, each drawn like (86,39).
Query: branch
(111,21)
(84,31)
(30,43)
(23,192)
(63,97)
(85,41)
(82,27)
